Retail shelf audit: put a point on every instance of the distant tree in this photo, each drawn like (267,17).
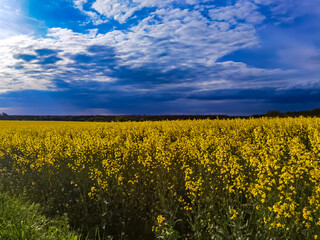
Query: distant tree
(120,119)
(273,113)
(315,112)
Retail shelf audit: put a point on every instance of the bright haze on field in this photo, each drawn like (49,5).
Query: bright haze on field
(236,57)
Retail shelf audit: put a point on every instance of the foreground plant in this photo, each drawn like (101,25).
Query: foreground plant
(21,221)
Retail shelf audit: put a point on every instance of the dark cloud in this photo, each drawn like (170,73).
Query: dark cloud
(81,97)
(152,76)
(233,94)
(293,96)
(97,59)
(288,96)
(43,56)
(106,51)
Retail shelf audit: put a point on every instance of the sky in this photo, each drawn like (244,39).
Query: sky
(88,57)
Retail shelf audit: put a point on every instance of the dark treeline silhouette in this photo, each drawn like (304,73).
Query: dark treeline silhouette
(139,118)
(311,113)
(108,118)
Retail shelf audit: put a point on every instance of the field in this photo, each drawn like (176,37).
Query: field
(204,179)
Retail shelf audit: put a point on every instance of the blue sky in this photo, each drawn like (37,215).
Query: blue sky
(236,57)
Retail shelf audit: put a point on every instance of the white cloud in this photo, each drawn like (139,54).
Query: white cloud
(171,38)
(121,10)
(180,36)
(168,39)
(101,11)
(242,10)
(17,74)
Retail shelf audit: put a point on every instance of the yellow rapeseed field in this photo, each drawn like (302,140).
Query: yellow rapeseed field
(204,179)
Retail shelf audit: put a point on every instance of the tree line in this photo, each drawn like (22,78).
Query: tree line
(139,118)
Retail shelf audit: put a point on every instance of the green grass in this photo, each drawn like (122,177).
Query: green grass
(23,221)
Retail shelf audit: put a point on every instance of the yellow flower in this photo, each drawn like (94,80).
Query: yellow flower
(160,219)
(234,214)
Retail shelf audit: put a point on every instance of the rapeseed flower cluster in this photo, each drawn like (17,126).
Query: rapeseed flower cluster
(205,179)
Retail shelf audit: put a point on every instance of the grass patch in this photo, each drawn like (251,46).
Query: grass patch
(20,220)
